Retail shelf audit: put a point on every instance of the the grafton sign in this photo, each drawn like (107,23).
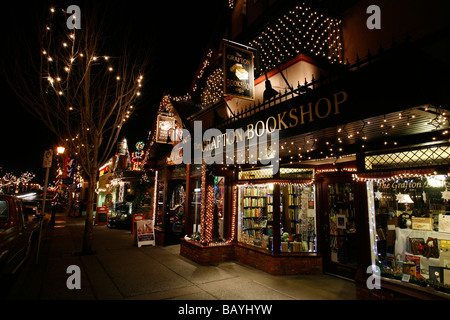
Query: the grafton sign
(238,72)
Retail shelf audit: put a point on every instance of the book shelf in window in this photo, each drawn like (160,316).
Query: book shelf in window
(257,216)
(298,218)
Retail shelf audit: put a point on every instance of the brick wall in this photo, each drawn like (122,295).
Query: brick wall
(206,255)
(278,265)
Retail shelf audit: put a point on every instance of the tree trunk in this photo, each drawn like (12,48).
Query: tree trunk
(89,224)
(69,203)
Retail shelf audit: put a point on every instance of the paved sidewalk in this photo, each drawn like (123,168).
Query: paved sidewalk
(122,271)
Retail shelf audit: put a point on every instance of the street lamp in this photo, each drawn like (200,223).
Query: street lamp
(60,150)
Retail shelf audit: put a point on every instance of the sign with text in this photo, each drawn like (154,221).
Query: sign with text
(164,129)
(48,155)
(238,72)
(144,233)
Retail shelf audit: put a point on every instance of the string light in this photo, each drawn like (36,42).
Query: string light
(301,30)
(61,72)
(394,176)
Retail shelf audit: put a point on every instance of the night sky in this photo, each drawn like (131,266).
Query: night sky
(176,31)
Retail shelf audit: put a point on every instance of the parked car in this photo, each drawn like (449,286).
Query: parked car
(121,220)
(17,232)
(33,210)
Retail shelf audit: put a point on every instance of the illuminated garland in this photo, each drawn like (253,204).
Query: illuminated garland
(233,224)
(372,224)
(203,205)
(393,176)
(319,171)
(155,196)
(209,218)
(214,88)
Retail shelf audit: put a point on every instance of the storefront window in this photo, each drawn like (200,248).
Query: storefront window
(297,217)
(410,229)
(255,226)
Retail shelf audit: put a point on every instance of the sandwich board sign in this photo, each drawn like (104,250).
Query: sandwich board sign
(145,234)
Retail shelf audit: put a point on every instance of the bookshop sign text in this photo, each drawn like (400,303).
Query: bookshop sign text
(317,110)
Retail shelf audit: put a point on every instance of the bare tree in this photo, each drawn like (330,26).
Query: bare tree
(82,87)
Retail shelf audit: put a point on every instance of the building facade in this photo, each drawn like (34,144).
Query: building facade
(357,125)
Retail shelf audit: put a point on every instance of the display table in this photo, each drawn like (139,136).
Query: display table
(402,235)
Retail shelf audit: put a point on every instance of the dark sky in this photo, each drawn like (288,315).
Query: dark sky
(176,32)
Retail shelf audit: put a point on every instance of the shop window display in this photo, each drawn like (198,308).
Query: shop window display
(218,211)
(297,217)
(410,229)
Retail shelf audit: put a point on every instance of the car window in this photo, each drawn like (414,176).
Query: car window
(3,210)
(19,205)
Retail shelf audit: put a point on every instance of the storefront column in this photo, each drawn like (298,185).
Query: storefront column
(276,219)
(362,221)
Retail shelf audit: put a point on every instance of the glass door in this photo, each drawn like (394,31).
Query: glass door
(342,229)
(196,202)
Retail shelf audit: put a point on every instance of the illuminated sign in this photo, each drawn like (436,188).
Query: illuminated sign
(238,72)
(165,129)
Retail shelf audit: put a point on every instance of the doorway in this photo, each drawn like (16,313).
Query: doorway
(339,227)
(175,217)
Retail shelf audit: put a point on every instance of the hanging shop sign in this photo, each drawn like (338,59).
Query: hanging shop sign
(69,170)
(122,147)
(238,72)
(165,127)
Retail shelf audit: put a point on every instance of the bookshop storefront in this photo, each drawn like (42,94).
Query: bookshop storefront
(356,187)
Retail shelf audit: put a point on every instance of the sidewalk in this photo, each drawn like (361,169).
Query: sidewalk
(122,271)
